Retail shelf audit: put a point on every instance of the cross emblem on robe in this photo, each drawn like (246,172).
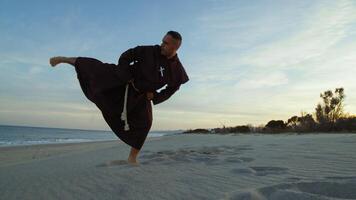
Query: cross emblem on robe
(161,70)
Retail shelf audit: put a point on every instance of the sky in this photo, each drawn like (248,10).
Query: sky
(248,61)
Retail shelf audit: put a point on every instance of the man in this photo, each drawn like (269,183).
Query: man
(124,92)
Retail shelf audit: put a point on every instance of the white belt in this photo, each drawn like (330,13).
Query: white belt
(124,112)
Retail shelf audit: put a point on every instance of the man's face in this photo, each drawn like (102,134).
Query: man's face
(169,45)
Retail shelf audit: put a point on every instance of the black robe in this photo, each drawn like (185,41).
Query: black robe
(104,84)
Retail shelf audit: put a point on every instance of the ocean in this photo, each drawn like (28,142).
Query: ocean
(24,135)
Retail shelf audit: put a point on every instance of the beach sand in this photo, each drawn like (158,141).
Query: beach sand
(189,166)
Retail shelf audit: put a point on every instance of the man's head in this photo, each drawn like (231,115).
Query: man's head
(171,43)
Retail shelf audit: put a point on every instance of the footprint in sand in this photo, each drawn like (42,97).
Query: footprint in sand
(292,179)
(272,145)
(238,159)
(261,171)
(341,178)
(206,155)
(325,189)
(242,171)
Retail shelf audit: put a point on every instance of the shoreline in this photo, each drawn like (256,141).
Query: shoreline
(71,141)
(27,153)
(74,143)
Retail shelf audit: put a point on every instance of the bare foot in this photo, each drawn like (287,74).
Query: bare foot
(132,161)
(118,163)
(56,60)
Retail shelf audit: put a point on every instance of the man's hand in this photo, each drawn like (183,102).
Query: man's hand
(149,95)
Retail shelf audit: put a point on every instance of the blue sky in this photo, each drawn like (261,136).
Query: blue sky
(248,62)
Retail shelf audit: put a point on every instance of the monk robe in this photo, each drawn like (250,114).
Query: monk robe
(105,84)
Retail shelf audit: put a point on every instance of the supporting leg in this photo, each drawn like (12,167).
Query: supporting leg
(133,154)
(61,59)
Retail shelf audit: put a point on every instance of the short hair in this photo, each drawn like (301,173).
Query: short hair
(175,35)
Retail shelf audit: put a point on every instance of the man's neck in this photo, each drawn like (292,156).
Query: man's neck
(171,56)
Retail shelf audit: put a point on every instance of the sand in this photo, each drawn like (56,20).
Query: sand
(192,166)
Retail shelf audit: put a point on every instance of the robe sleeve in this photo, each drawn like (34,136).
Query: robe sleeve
(179,77)
(126,59)
(164,94)
(178,74)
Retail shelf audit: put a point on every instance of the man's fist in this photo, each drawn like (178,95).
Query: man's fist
(149,95)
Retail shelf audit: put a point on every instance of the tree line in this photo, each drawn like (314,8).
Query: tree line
(329,116)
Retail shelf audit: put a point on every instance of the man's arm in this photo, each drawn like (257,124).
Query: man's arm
(164,94)
(126,58)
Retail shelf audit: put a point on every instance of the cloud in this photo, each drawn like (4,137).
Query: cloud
(263,80)
(325,27)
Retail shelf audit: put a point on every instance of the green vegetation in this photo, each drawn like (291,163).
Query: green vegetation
(329,116)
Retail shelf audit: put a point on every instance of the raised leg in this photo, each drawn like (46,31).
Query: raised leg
(61,59)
